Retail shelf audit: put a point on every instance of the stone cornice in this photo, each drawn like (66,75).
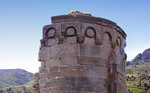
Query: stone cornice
(88,19)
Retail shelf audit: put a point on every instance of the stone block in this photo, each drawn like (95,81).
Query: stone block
(98,72)
(37,75)
(43,75)
(120,70)
(120,88)
(54,74)
(74,71)
(64,51)
(61,61)
(98,42)
(71,40)
(41,56)
(53,62)
(121,80)
(54,68)
(52,42)
(92,61)
(52,80)
(44,54)
(50,84)
(89,41)
(105,52)
(69,61)
(45,90)
(42,70)
(89,50)
(81,84)
(42,86)
(43,64)
(42,81)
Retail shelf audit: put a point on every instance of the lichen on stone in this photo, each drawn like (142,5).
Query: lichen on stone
(75,13)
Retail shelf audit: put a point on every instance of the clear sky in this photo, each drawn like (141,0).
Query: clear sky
(21,23)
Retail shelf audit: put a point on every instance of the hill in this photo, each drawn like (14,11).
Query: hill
(14,77)
(16,81)
(142,58)
(140,63)
(138,73)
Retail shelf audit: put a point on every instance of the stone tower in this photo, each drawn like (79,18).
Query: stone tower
(80,53)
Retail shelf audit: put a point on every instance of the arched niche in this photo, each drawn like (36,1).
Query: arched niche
(51,33)
(107,38)
(120,46)
(70,32)
(112,70)
(112,58)
(118,41)
(90,35)
(90,32)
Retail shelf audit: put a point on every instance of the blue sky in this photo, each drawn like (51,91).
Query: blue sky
(21,23)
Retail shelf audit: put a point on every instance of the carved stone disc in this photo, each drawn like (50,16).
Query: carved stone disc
(90,32)
(51,33)
(70,31)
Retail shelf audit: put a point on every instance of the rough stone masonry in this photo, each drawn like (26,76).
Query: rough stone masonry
(80,53)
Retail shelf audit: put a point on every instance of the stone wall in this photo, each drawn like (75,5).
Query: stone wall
(81,54)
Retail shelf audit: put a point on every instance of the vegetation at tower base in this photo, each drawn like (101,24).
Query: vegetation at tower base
(16,81)
(138,73)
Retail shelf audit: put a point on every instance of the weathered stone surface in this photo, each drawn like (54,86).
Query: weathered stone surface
(36,83)
(89,51)
(120,89)
(81,54)
(43,75)
(89,41)
(71,40)
(52,42)
(80,39)
(63,51)
(92,61)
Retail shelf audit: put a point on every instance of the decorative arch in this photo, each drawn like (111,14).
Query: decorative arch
(106,39)
(111,74)
(118,41)
(51,32)
(107,35)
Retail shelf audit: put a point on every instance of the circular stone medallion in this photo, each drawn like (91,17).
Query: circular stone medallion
(71,31)
(51,33)
(90,32)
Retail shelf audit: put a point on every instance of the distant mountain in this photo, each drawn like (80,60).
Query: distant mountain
(138,73)
(140,63)
(142,58)
(14,77)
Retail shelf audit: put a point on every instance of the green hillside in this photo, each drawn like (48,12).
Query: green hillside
(17,89)
(16,81)
(138,73)
(15,77)
(138,78)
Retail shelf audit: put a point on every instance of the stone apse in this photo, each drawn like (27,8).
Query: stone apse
(80,53)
